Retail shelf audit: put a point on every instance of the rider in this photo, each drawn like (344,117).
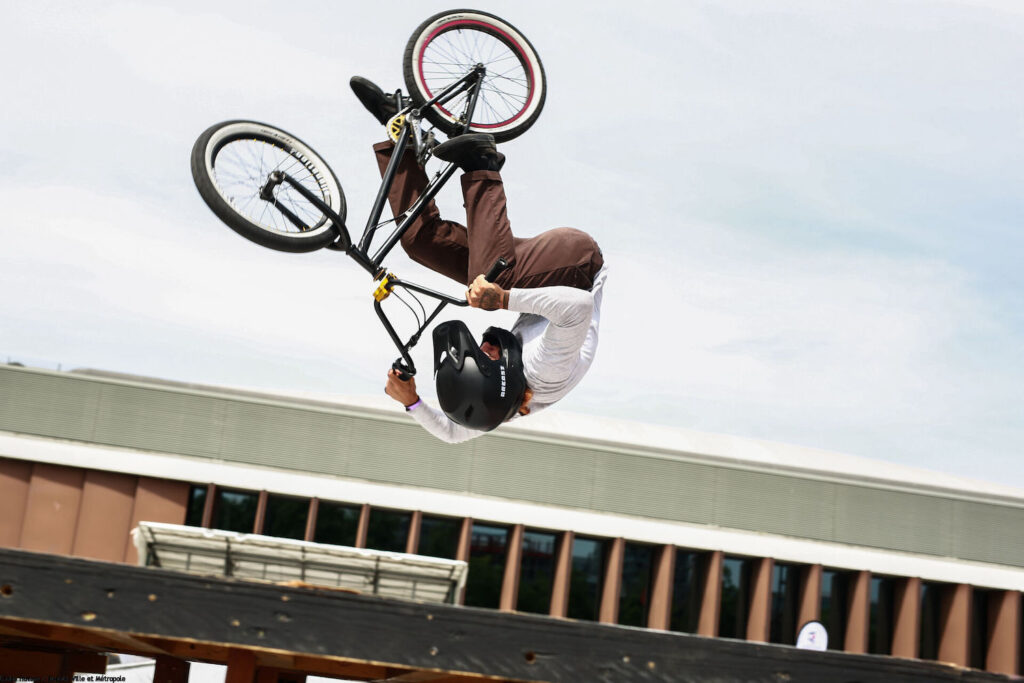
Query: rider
(555,282)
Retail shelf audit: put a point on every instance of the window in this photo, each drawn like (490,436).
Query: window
(487,552)
(880,624)
(286,517)
(196,504)
(928,647)
(835,605)
(637,579)
(687,590)
(235,510)
(588,560)
(785,603)
(336,523)
(537,572)
(388,530)
(732,622)
(979,627)
(439,537)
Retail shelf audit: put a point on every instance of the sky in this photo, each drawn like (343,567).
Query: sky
(811,212)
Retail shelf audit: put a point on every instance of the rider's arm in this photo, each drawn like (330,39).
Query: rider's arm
(569,312)
(440,425)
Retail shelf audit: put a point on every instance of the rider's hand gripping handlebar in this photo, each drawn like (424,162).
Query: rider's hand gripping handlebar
(405,371)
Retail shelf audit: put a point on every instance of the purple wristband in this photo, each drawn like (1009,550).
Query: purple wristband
(409,408)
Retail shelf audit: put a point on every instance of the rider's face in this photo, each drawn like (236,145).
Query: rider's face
(492,351)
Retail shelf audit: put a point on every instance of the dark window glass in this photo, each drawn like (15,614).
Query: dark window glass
(635,589)
(235,511)
(979,627)
(286,517)
(537,572)
(388,530)
(785,603)
(439,537)
(487,552)
(880,623)
(687,590)
(930,610)
(732,622)
(336,523)
(835,606)
(588,560)
(196,503)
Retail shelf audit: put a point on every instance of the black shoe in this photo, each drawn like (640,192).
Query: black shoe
(471,152)
(382,105)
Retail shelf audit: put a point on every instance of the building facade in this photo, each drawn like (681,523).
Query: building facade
(580,518)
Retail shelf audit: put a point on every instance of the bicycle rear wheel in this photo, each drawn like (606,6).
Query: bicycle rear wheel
(231,162)
(448,45)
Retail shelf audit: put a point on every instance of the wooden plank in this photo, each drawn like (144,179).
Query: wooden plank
(38,664)
(30,663)
(104,641)
(171,670)
(241,666)
(323,629)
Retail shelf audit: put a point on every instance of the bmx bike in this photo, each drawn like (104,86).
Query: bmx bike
(466,71)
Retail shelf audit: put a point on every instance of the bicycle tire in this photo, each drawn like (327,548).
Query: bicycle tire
(230,163)
(514,89)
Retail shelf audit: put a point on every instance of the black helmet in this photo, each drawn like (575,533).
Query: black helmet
(474,390)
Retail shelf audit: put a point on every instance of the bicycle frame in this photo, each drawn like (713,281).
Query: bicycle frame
(360,252)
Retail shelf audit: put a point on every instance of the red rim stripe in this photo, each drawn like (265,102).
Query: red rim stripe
(516,48)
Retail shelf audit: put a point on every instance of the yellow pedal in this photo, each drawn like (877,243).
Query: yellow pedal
(384,288)
(395,126)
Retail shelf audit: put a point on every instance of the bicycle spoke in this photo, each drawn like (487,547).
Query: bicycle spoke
(506,87)
(243,166)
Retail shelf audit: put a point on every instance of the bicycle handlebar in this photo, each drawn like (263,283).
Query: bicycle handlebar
(500,265)
(406,371)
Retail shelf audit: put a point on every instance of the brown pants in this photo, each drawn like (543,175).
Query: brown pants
(563,256)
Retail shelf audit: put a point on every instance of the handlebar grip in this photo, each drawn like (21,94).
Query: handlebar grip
(500,265)
(405,373)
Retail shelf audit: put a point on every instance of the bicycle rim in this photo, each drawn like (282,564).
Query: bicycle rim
(509,89)
(240,167)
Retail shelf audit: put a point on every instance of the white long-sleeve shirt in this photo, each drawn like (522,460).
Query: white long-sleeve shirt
(558,327)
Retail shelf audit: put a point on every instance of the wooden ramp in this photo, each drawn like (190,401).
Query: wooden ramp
(59,614)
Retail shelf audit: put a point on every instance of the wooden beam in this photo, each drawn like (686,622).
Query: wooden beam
(31,663)
(265,675)
(106,641)
(241,667)
(171,670)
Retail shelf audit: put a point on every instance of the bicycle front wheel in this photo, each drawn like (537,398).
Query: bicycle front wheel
(449,45)
(232,161)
